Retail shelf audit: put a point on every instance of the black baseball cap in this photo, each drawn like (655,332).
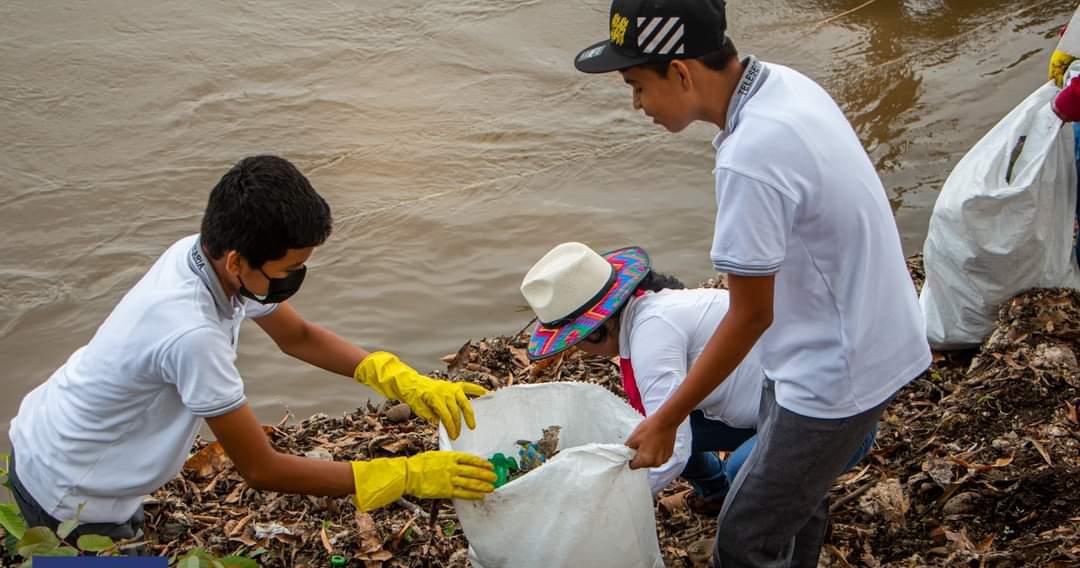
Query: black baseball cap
(645,31)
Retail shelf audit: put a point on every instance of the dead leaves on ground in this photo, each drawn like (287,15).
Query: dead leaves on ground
(973,466)
(985,448)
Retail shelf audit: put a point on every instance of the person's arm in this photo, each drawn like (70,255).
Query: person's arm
(750,315)
(753,222)
(262,467)
(310,342)
(199,363)
(374,483)
(433,400)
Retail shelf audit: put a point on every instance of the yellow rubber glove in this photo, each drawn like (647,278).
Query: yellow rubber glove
(430,399)
(430,475)
(1059,63)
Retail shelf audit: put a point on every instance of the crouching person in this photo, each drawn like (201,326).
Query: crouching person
(117,420)
(615,305)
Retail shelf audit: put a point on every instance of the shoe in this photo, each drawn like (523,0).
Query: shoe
(703,506)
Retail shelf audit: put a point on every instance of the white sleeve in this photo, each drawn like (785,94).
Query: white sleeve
(658,352)
(201,364)
(753,224)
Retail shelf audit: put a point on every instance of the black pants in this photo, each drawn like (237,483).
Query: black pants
(36,516)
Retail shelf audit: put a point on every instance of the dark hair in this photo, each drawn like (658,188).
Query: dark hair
(261,208)
(656,281)
(717,60)
(653,282)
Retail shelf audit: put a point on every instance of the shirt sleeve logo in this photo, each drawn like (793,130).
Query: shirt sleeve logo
(618,29)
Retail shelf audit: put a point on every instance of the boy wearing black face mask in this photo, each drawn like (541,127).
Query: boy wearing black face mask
(117,420)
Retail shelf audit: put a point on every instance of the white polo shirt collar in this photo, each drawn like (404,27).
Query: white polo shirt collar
(227,307)
(755,73)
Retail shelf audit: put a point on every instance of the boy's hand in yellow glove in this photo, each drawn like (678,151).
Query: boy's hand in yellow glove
(1059,63)
(430,475)
(430,399)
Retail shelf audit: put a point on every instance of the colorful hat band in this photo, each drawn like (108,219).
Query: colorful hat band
(588,303)
(630,265)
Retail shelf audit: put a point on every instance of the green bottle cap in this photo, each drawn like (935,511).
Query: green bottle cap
(338,561)
(503,466)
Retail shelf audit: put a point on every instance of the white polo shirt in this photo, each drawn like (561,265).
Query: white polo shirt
(117,420)
(663,334)
(798,197)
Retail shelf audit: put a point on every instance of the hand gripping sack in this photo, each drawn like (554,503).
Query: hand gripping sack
(1003,224)
(584,507)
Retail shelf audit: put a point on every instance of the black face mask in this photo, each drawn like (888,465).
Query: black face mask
(280,289)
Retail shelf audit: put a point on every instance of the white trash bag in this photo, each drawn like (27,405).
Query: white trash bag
(584,507)
(1002,225)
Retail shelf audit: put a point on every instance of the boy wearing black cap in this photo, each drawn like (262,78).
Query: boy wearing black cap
(816,270)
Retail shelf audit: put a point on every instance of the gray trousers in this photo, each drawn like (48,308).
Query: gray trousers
(777,510)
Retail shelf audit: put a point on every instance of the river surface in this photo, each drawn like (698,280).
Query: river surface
(453,139)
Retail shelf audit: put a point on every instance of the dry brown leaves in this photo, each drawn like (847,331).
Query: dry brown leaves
(985,448)
(976,465)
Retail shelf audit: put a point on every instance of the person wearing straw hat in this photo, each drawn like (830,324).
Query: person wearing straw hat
(615,305)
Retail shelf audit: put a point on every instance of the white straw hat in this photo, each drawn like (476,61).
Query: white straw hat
(573,290)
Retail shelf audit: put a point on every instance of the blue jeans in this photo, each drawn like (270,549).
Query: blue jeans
(711,476)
